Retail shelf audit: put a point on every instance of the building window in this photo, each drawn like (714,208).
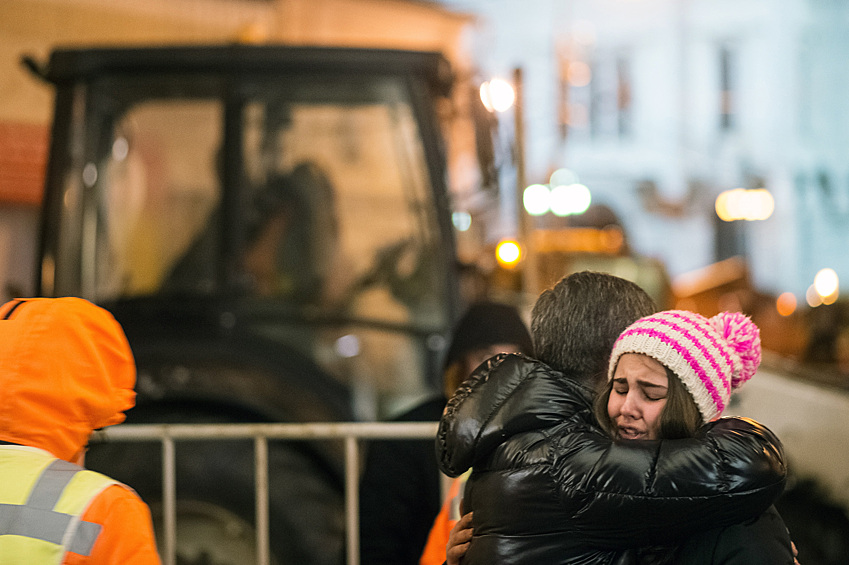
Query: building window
(597,100)
(727,89)
(575,93)
(610,97)
(623,96)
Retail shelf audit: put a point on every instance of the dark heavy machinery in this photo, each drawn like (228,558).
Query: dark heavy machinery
(271,227)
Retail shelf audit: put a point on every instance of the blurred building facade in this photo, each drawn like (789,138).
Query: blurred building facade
(661,105)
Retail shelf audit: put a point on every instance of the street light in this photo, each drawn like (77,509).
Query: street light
(497,95)
(571,199)
(508,253)
(560,200)
(537,199)
(826,283)
(745,204)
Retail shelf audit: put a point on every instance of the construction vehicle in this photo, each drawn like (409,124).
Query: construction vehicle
(271,226)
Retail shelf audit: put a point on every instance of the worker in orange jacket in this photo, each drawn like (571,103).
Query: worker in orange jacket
(449,515)
(66,370)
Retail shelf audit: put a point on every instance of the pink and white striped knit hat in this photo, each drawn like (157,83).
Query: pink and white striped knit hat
(712,357)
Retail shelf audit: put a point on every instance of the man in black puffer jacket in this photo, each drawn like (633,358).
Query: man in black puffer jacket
(549,487)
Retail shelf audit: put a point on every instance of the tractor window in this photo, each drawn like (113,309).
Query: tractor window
(306,198)
(340,214)
(160,189)
(331,208)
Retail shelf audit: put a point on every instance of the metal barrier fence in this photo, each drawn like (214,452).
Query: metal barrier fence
(350,432)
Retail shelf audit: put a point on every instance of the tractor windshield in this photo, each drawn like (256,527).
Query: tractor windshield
(308,193)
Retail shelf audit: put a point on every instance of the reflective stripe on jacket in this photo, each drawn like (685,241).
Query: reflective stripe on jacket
(41,501)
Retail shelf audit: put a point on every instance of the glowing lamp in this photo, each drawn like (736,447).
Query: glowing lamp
(508,253)
(826,284)
(497,95)
(743,204)
(569,200)
(785,304)
(537,199)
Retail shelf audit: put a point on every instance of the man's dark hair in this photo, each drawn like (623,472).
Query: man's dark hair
(575,323)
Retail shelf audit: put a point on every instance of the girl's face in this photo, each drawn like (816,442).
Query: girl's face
(637,397)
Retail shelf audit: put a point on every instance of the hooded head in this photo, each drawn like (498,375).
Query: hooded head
(66,369)
(487,328)
(488,323)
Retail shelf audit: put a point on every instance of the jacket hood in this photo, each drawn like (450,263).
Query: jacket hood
(508,395)
(66,369)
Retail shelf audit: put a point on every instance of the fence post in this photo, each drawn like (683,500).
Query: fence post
(352,498)
(169,500)
(263,553)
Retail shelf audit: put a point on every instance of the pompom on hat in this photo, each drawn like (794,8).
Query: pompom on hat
(712,357)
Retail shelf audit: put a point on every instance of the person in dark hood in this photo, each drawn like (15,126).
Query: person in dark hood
(400,492)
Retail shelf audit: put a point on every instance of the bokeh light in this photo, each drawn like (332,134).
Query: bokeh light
(497,95)
(826,283)
(786,304)
(508,253)
(462,221)
(812,297)
(120,148)
(562,177)
(90,174)
(537,199)
(570,199)
(348,346)
(745,204)
(830,299)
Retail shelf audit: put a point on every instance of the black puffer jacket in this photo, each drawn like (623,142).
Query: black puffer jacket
(549,487)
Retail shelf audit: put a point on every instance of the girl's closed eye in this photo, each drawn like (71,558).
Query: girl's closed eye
(654,393)
(620,387)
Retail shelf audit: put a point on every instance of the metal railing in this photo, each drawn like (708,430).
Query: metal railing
(350,432)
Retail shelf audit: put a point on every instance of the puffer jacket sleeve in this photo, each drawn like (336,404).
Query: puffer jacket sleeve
(623,493)
(506,396)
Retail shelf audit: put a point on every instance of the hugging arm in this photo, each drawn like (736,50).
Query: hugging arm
(616,493)
(626,493)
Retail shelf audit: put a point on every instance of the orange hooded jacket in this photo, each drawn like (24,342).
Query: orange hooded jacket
(66,369)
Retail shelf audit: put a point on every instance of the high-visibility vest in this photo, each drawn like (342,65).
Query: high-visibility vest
(41,501)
